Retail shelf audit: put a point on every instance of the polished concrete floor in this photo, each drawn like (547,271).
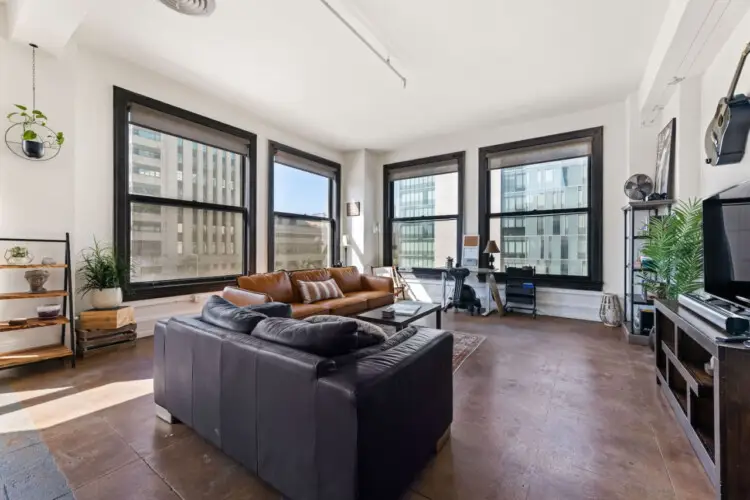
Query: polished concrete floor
(545,409)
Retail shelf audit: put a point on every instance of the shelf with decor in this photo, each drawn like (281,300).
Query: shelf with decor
(637,213)
(19,259)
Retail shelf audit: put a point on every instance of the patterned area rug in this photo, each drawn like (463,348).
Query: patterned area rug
(464,344)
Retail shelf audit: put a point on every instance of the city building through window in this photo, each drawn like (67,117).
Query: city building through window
(181,239)
(304,193)
(541,202)
(423,202)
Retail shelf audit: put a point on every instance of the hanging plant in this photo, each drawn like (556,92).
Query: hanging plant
(29,136)
(30,123)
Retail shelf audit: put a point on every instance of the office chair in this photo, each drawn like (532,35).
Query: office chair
(464,296)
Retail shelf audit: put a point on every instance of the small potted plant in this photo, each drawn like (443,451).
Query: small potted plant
(32,143)
(103,274)
(18,256)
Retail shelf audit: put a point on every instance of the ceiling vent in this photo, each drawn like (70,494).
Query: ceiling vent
(191,7)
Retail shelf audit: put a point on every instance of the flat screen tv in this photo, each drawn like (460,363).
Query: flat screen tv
(726,242)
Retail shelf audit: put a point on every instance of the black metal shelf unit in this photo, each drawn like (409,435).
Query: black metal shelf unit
(520,289)
(65,320)
(631,248)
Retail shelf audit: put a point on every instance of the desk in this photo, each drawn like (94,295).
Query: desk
(488,273)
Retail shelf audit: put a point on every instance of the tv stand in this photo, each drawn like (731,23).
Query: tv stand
(713,410)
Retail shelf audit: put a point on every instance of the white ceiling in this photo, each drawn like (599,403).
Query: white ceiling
(468,63)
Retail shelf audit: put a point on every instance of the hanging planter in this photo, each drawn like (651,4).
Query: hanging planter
(29,136)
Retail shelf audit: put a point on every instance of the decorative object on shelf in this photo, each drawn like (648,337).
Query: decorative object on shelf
(103,274)
(638,187)
(37,278)
(352,209)
(17,321)
(18,256)
(48,261)
(28,135)
(449,262)
(674,249)
(609,310)
(665,152)
(490,249)
(726,135)
(48,311)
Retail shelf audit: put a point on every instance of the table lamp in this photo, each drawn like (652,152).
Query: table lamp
(490,249)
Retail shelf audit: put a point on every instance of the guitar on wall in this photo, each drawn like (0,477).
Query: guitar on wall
(726,136)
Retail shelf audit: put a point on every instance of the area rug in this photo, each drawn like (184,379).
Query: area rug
(464,344)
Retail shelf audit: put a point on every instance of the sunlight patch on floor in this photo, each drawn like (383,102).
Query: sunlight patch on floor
(67,408)
(13,397)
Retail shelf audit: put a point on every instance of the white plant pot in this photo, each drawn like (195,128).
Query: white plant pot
(107,298)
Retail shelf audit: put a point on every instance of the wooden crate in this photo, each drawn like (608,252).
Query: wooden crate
(91,341)
(106,319)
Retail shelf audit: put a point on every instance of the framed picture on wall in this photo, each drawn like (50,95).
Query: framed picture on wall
(665,152)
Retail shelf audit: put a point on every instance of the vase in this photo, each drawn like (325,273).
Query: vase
(20,260)
(36,278)
(106,298)
(609,310)
(33,149)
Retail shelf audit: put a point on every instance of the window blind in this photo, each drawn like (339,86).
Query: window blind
(445,167)
(169,124)
(291,160)
(540,154)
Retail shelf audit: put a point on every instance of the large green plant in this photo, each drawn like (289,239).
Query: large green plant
(100,268)
(674,252)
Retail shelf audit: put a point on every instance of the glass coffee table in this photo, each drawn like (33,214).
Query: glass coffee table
(400,321)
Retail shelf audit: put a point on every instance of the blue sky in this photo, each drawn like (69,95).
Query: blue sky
(299,192)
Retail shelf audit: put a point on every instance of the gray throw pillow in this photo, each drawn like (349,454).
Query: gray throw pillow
(220,312)
(368,334)
(323,339)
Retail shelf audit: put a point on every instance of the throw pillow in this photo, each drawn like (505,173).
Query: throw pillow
(324,339)
(314,291)
(272,309)
(220,312)
(368,334)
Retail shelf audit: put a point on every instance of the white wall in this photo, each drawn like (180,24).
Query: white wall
(74,192)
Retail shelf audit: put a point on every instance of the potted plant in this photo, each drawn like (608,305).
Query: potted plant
(32,143)
(103,274)
(673,252)
(18,255)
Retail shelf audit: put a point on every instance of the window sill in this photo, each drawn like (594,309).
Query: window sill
(570,283)
(145,291)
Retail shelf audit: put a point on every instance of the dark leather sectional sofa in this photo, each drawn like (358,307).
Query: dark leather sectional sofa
(361,426)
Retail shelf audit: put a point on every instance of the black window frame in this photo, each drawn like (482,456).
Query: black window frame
(334,202)
(388,209)
(594,280)
(122,100)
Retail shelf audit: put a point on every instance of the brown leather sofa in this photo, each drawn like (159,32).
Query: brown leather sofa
(361,292)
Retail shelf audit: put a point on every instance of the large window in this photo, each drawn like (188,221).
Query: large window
(423,211)
(304,201)
(541,202)
(184,185)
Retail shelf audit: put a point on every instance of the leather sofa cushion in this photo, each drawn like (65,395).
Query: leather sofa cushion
(374,299)
(300,311)
(345,306)
(316,291)
(220,312)
(277,285)
(272,309)
(323,339)
(307,275)
(348,278)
